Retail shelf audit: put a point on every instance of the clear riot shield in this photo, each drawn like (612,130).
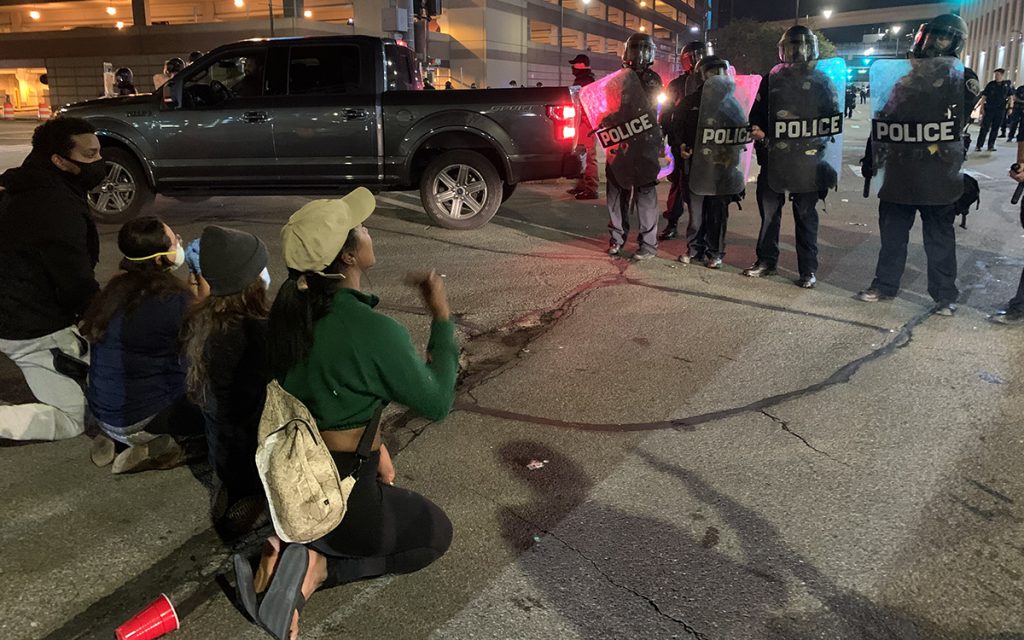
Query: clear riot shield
(806,101)
(721,160)
(625,123)
(916,130)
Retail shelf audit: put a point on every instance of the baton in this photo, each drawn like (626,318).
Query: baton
(1020,186)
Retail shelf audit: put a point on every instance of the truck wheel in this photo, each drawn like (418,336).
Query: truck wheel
(123,193)
(506,191)
(461,190)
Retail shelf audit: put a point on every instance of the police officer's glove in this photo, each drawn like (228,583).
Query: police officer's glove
(192,257)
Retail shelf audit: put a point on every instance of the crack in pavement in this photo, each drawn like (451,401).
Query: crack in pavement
(610,580)
(785,427)
(841,376)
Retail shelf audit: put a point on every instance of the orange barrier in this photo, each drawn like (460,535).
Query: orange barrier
(8,108)
(45,112)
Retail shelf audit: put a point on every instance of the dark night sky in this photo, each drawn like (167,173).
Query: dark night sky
(782,9)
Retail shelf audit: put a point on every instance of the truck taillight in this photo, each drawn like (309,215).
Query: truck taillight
(568,133)
(562,112)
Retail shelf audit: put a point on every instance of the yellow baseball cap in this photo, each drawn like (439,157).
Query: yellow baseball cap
(314,235)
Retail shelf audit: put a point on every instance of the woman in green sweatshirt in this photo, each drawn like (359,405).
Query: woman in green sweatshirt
(344,360)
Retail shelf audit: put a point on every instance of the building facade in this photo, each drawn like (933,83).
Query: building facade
(481,42)
(996,38)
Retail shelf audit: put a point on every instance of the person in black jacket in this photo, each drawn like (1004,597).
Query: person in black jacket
(49,248)
(993,100)
(225,343)
(586,185)
(677,89)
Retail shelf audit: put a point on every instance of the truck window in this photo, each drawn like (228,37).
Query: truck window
(324,70)
(402,68)
(233,75)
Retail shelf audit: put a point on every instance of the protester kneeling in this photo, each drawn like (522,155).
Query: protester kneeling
(343,360)
(225,342)
(136,387)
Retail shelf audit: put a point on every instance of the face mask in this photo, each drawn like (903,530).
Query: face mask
(179,259)
(265,277)
(91,174)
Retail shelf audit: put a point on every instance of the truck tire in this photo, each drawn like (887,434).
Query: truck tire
(461,190)
(123,193)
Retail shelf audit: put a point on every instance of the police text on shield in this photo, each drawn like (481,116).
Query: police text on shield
(811,128)
(614,135)
(909,132)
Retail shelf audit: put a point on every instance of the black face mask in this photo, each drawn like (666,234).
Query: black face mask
(90,174)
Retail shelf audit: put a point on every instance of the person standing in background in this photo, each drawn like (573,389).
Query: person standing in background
(586,185)
(993,101)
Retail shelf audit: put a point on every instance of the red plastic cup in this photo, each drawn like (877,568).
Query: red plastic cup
(152,622)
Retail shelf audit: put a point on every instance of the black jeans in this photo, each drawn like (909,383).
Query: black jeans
(385,529)
(677,189)
(990,123)
(894,224)
(805,219)
(712,216)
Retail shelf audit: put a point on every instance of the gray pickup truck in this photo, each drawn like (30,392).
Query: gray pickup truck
(324,115)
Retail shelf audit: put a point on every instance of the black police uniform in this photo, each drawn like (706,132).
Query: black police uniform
(1016,118)
(675,93)
(996,94)
(896,220)
(770,203)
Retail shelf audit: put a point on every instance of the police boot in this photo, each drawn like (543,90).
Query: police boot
(759,269)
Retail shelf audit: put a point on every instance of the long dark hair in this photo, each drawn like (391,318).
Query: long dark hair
(294,312)
(139,280)
(211,317)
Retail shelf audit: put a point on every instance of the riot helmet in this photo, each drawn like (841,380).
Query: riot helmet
(195,55)
(798,44)
(711,66)
(639,52)
(945,35)
(174,66)
(124,76)
(693,53)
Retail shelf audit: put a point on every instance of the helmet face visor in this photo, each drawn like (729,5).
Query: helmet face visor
(798,50)
(933,42)
(690,56)
(639,52)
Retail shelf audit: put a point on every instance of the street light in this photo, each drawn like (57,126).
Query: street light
(896,34)
(827,13)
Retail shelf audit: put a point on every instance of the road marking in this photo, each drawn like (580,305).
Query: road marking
(855,168)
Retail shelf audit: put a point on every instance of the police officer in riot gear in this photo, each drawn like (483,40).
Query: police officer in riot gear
(705,235)
(124,82)
(637,56)
(788,89)
(678,89)
(943,37)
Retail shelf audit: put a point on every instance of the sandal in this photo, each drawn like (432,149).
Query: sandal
(244,587)
(284,597)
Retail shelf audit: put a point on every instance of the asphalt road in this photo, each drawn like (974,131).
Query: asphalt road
(722,457)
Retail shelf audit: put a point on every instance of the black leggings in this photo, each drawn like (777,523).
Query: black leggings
(385,529)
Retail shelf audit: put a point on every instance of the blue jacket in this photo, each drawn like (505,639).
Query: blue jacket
(136,370)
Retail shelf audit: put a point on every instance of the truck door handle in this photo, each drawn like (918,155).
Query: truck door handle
(355,114)
(255,116)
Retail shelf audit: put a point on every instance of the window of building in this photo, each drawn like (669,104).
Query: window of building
(632,22)
(323,70)
(666,10)
(596,9)
(572,39)
(595,43)
(662,32)
(616,16)
(543,32)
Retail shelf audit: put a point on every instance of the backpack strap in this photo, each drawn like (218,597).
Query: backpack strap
(369,433)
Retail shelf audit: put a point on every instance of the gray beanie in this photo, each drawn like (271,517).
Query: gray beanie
(230,260)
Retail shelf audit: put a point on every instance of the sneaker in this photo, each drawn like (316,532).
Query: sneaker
(161,452)
(670,232)
(102,451)
(807,282)
(1009,318)
(759,269)
(713,263)
(991,148)
(872,295)
(615,250)
(945,309)
(587,195)
(685,259)
(645,254)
